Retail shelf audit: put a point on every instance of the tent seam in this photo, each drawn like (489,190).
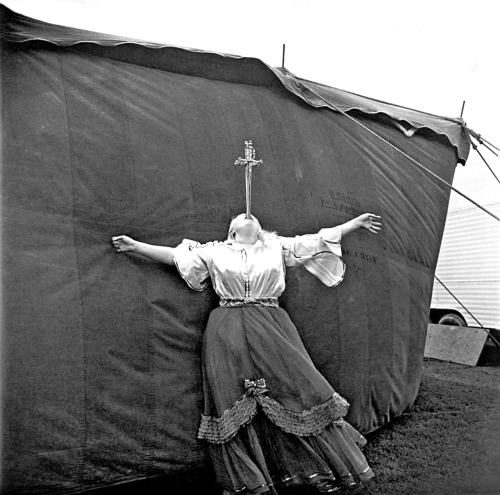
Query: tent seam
(83,428)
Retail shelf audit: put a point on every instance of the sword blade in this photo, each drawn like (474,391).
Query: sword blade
(248,186)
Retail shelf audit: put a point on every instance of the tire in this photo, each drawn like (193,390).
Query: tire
(452,319)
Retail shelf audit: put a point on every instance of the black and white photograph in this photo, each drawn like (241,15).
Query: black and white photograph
(249,248)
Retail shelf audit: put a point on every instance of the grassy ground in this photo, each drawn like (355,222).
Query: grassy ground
(447,444)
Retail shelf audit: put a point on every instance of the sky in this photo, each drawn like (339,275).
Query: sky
(426,55)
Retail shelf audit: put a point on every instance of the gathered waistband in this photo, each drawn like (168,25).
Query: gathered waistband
(239,302)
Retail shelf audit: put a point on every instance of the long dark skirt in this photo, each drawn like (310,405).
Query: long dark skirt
(270,418)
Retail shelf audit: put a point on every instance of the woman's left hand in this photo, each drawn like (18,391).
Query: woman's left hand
(369,221)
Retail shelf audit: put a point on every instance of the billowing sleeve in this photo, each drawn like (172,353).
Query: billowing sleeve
(320,253)
(191,260)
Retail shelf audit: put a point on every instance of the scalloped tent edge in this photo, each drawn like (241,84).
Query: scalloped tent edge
(18,28)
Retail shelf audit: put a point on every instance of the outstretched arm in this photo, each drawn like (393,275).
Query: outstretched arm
(124,244)
(367,221)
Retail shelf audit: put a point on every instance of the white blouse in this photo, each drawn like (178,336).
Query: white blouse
(258,271)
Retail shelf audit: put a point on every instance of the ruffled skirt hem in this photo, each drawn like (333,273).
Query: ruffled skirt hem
(301,423)
(263,458)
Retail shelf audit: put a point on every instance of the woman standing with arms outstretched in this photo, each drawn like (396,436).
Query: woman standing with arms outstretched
(271,420)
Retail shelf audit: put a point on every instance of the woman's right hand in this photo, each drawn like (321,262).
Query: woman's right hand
(123,243)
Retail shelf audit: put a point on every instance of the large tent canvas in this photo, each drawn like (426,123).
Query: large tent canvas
(105,136)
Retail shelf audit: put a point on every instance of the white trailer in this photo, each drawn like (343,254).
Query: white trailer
(469,267)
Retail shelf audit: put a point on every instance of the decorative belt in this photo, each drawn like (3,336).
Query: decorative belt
(239,302)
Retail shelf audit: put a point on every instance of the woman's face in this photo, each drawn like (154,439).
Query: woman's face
(243,225)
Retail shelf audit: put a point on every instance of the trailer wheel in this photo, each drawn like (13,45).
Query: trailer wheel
(452,319)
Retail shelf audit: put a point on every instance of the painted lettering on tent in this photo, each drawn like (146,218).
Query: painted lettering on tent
(101,351)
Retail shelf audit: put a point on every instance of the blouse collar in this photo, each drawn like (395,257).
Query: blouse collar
(237,245)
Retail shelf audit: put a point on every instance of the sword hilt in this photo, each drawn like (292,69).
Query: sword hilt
(249,162)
